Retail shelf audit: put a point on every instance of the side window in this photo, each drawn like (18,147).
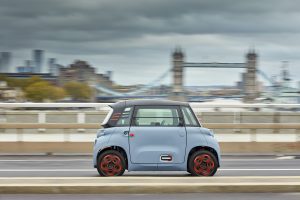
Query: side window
(156,116)
(189,117)
(124,119)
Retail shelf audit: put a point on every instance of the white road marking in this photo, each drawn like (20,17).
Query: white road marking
(149,177)
(47,170)
(88,170)
(286,157)
(87,160)
(48,160)
(254,159)
(262,169)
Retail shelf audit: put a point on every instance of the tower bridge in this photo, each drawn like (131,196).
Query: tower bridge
(177,72)
(250,84)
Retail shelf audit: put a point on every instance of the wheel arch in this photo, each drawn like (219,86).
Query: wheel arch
(197,148)
(117,148)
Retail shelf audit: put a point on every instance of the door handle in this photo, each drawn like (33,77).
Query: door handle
(166,158)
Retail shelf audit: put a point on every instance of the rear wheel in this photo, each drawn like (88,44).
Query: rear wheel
(202,163)
(111,163)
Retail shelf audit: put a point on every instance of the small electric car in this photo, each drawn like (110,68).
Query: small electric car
(154,135)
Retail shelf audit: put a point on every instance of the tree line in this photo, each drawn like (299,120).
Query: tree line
(36,89)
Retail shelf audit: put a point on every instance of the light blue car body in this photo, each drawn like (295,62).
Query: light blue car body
(144,150)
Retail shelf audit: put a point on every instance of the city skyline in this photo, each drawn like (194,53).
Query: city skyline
(48,65)
(137,38)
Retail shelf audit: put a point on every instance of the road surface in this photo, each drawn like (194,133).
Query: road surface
(81,166)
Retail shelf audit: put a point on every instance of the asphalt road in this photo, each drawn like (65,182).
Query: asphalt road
(81,166)
(207,196)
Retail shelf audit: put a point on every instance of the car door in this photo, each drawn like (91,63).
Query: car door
(157,135)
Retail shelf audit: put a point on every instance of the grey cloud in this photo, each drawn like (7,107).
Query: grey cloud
(150,28)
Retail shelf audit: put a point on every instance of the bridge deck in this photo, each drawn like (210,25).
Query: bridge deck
(215,65)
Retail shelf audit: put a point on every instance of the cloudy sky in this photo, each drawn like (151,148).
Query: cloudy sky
(134,38)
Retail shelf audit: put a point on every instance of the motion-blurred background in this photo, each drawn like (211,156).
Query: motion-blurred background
(236,62)
(62,62)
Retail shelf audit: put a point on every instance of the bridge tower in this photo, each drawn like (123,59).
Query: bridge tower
(250,83)
(178,93)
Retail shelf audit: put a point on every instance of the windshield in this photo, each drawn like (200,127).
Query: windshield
(107,116)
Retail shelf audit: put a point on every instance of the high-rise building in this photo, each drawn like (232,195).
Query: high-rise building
(109,74)
(38,58)
(28,63)
(53,67)
(5,62)
(0,63)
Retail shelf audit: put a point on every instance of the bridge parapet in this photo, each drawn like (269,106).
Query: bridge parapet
(238,127)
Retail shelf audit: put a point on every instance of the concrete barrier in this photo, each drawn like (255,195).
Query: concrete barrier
(142,185)
(69,142)
(71,127)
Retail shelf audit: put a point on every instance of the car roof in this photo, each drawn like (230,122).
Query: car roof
(148,102)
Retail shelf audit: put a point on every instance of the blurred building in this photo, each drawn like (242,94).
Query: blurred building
(53,67)
(28,63)
(9,94)
(109,74)
(5,62)
(27,68)
(24,69)
(38,58)
(81,71)
(0,63)
(159,90)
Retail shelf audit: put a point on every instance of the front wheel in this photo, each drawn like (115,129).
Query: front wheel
(111,163)
(202,163)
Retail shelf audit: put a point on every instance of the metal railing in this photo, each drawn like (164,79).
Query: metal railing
(97,126)
(101,105)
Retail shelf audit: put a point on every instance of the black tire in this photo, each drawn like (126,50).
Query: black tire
(111,163)
(208,166)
